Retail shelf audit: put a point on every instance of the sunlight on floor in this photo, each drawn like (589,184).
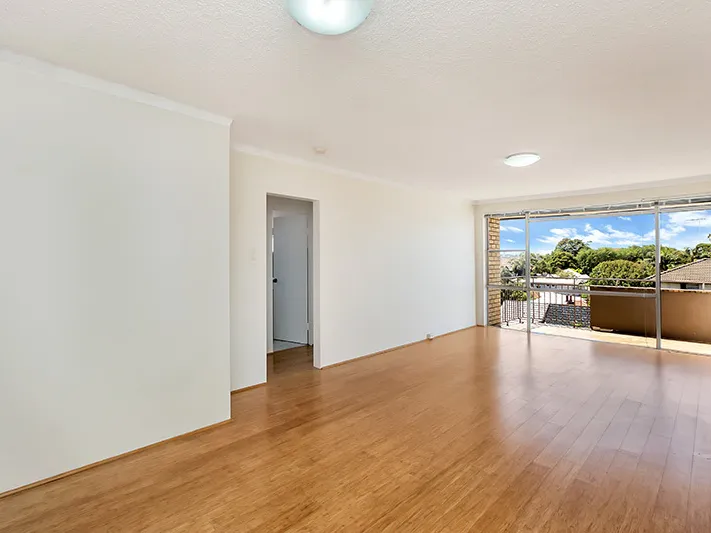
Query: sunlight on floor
(649,342)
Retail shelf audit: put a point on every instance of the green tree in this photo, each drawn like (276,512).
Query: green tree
(540,264)
(518,265)
(609,273)
(560,260)
(588,258)
(672,258)
(519,296)
(701,251)
(572,246)
(638,253)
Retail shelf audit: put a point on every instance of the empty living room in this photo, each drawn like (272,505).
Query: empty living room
(355,265)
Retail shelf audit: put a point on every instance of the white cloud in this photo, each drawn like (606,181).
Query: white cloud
(512,229)
(685,228)
(595,236)
(510,240)
(628,238)
(558,234)
(680,230)
(694,219)
(627,219)
(608,236)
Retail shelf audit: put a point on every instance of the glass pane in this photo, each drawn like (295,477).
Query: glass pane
(507,234)
(686,281)
(590,276)
(507,268)
(613,251)
(508,308)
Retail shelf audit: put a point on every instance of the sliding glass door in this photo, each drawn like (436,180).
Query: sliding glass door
(626,273)
(685,298)
(508,290)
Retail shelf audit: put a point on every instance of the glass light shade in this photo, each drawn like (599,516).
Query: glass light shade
(330,17)
(522,160)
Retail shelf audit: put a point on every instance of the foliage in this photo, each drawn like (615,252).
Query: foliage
(572,246)
(516,292)
(515,267)
(568,273)
(701,251)
(540,265)
(588,258)
(560,260)
(672,258)
(638,253)
(519,296)
(621,268)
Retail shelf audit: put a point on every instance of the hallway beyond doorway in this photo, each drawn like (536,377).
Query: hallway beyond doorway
(285,345)
(289,273)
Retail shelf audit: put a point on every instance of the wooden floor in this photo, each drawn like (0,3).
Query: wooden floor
(485,430)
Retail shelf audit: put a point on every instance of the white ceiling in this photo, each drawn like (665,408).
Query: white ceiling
(427,92)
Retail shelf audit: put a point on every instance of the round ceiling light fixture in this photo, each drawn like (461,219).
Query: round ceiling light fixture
(522,160)
(330,17)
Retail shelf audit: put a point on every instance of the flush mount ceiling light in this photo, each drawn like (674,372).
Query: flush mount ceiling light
(329,17)
(522,160)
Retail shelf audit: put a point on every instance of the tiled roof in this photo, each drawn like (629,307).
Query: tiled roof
(696,272)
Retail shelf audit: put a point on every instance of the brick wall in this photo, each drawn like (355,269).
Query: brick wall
(494,271)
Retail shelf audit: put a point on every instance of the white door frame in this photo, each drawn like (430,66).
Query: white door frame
(274,202)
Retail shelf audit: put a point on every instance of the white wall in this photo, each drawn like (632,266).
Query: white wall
(280,206)
(700,185)
(391,264)
(114,277)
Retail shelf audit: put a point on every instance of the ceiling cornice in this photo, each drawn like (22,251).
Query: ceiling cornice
(253,150)
(650,189)
(72,77)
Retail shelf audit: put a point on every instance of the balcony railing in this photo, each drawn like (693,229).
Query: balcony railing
(606,306)
(546,307)
(555,301)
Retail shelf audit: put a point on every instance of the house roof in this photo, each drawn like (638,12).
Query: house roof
(696,272)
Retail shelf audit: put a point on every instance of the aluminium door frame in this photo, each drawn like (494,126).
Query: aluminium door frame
(649,208)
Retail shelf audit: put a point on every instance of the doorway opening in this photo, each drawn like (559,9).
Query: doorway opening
(290,277)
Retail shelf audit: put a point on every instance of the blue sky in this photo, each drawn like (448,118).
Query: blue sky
(680,230)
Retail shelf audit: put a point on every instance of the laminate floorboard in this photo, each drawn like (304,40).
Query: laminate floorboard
(484,430)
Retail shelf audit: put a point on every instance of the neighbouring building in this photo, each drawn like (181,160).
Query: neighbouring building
(696,275)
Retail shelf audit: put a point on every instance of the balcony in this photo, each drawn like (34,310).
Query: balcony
(571,308)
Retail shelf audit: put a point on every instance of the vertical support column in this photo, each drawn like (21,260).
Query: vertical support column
(486,269)
(658,276)
(493,261)
(529,302)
